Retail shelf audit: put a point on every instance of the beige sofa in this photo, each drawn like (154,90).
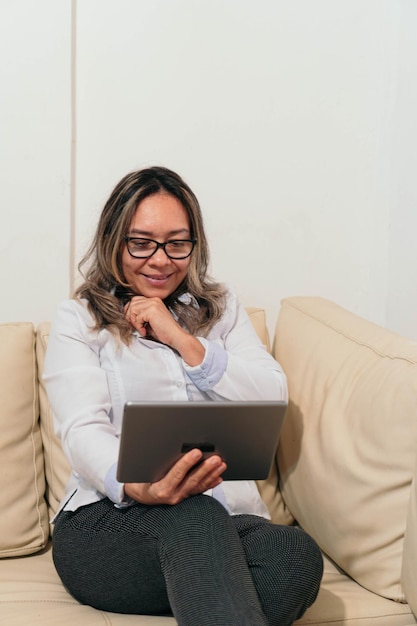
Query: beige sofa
(346,461)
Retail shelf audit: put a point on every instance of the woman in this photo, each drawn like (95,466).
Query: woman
(148,323)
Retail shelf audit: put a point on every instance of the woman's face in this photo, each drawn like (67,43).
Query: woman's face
(160,217)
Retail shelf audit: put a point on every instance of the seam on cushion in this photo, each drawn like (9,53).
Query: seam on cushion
(350,337)
(35,418)
(344,620)
(106,618)
(28,550)
(40,602)
(102,614)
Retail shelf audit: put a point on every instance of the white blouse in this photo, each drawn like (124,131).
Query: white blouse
(90,375)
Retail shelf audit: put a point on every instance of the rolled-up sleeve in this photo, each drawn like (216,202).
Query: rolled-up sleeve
(206,375)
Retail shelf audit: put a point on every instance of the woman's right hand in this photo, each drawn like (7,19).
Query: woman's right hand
(188,477)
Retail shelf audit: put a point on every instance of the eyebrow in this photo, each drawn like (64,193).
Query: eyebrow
(147,233)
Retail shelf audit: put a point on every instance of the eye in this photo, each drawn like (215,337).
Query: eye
(178,244)
(141,244)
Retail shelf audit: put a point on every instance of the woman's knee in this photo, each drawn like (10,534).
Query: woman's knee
(311,556)
(284,553)
(304,557)
(286,566)
(304,571)
(308,570)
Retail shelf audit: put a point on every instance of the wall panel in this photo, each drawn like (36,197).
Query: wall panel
(35,144)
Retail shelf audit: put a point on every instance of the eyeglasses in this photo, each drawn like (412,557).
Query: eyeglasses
(145,248)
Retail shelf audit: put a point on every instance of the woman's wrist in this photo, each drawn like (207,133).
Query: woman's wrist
(190,349)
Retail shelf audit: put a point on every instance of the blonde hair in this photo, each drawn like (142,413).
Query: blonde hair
(105,287)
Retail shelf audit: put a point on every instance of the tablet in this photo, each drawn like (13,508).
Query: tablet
(155,434)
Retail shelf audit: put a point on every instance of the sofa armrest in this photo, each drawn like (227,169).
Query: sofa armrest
(347,449)
(24,525)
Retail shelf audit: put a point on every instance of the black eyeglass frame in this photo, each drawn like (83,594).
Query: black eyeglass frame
(161,245)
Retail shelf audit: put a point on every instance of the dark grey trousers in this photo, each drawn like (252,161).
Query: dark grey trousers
(192,560)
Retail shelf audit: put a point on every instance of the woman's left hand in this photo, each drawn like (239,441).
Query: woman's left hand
(151,318)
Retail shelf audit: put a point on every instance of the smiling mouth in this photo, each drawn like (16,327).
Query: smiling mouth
(157,279)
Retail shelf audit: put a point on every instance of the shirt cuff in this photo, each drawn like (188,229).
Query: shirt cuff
(206,375)
(115,490)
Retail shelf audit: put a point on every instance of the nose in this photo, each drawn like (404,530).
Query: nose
(159,257)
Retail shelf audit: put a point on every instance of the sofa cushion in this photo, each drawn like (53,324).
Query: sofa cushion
(24,527)
(31,594)
(342,602)
(348,446)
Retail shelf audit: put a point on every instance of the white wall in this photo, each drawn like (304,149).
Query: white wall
(292,121)
(35,141)
(402,259)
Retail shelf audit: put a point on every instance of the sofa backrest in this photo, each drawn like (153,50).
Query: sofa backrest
(347,451)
